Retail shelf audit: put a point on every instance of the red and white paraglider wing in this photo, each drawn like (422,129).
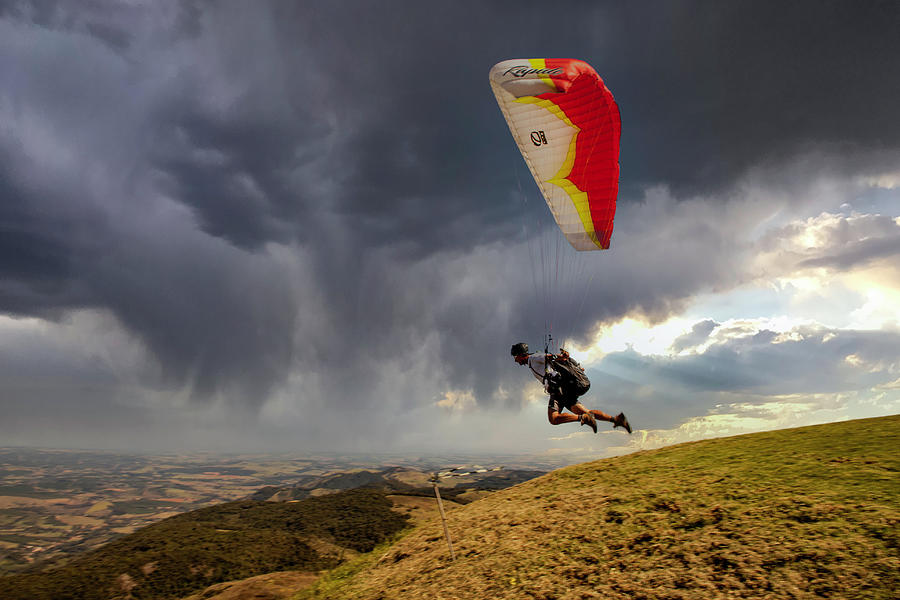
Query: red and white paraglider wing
(567,126)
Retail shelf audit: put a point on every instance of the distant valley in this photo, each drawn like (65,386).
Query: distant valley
(55,504)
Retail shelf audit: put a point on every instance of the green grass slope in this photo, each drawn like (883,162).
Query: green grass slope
(799,513)
(226,542)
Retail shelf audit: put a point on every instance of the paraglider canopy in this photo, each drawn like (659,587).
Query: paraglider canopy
(567,126)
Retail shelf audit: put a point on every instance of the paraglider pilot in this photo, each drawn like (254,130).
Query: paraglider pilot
(565,380)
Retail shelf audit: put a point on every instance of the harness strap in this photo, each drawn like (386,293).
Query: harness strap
(543,377)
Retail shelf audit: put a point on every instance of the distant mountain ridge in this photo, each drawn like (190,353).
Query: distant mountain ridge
(399,480)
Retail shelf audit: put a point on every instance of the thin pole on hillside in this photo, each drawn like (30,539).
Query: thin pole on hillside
(455,472)
(437,495)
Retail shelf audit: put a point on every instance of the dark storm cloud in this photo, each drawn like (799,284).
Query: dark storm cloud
(88,221)
(362,142)
(724,86)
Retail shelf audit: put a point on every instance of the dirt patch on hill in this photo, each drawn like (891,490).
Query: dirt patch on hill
(420,508)
(272,586)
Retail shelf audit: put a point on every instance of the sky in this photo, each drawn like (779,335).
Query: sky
(305,227)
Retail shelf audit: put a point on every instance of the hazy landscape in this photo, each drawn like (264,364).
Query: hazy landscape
(57,503)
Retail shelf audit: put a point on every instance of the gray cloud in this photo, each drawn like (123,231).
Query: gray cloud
(698,335)
(860,253)
(267,191)
(752,368)
(837,242)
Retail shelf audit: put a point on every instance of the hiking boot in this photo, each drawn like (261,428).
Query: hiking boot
(588,419)
(622,421)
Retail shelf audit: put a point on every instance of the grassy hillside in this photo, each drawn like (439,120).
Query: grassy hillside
(799,513)
(231,541)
